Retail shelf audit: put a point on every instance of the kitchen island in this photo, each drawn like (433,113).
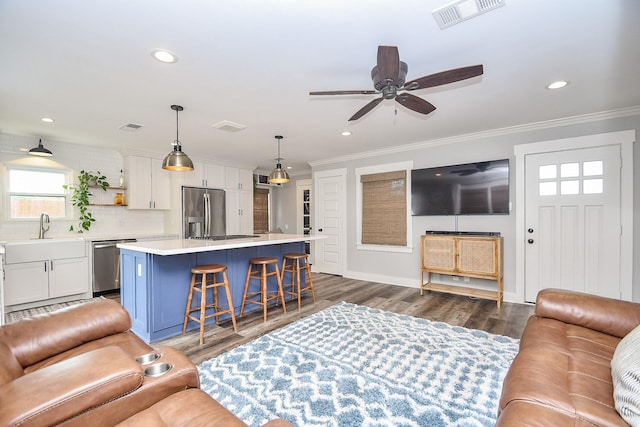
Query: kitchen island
(155,276)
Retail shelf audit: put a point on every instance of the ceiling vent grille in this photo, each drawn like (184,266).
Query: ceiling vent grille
(228,126)
(130,127)
(461,10)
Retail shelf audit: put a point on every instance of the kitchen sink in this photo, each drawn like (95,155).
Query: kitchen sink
(39,249)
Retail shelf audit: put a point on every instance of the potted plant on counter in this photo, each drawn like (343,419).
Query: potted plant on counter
(80,197)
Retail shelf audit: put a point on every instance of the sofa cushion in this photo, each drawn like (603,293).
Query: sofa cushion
(10,369)
(40,337)
(625,372)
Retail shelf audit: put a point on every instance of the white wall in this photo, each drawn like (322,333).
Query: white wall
(284,205)
(110,221)
(403,269)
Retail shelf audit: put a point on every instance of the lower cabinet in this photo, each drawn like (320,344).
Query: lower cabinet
(28,282)
(467,256)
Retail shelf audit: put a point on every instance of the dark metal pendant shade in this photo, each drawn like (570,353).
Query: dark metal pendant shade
(279,175)
(40,151)
(177,160)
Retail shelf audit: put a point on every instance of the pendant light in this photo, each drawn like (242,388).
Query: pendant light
(177,160)
(278,176)
(40,151)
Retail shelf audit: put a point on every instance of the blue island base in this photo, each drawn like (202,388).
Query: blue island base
(154,288)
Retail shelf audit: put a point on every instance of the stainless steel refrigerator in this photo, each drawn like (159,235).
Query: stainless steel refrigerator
(203,212)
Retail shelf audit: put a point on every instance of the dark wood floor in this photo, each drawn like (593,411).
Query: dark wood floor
(456,310)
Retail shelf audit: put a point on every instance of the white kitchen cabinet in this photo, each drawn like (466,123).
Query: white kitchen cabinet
(239,211)
(205,175)
(41,280)
(38,270)
(148,184)
(238,179)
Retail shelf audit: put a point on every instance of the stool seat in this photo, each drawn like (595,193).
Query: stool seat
(209,268)
(291,264)
(208,281)
(258,271)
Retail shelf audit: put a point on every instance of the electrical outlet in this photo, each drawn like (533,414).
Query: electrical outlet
(456,278)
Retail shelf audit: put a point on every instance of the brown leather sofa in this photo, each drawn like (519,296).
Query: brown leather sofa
(80,366)
(562,373)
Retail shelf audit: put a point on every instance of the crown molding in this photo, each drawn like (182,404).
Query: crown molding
(529,127)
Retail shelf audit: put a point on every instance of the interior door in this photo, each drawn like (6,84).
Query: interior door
(573,221)
(330,203)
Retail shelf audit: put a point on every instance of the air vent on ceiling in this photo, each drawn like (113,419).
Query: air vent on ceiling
(130,127)
(461,10)
(228,126)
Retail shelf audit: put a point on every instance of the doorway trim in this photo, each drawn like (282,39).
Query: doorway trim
(341,175)
(625,140)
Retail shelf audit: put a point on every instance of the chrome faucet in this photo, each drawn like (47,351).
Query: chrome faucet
(44,221)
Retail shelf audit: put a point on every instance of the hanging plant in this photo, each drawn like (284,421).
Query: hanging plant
(80,197)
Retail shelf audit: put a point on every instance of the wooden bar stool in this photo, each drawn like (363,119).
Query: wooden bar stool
(258,271)
(203,286)
(291,264)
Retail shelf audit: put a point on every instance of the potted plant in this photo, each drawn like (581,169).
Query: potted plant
(80,196)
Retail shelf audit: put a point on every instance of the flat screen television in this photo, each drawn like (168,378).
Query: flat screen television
(480,188)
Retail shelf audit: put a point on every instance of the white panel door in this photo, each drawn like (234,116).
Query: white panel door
(329,220)
(573,225)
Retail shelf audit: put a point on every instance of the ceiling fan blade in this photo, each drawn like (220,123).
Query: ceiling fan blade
(388,63)
(344,92)
(414,103)
(444,77)
(364,110)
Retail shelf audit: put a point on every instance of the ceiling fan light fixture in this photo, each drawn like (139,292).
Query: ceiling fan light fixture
(278,175)
(177,160)
(40,151)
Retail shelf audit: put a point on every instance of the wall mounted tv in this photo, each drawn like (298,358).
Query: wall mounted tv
(480,188)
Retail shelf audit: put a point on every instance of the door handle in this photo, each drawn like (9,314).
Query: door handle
(530,241)
(320,230)
(530,230)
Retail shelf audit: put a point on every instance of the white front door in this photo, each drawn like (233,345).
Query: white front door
(573,221)
(329,219)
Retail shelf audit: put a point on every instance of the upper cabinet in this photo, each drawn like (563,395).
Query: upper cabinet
(205,175)
(148,184)
(238,179)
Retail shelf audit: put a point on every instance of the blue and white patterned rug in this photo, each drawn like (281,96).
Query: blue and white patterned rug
(350,365)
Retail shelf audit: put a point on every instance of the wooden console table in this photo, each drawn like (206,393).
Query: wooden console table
(467,256)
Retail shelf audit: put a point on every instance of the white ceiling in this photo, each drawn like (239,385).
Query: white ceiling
(253,62)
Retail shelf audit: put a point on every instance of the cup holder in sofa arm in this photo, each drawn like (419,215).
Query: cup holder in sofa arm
(145,359)
(158,369)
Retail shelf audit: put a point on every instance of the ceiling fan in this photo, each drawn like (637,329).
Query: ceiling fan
(389,80)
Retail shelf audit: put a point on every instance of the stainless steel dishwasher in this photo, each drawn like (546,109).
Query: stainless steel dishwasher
(106,265)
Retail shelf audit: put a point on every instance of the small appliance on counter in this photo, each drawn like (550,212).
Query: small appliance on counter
(203,212)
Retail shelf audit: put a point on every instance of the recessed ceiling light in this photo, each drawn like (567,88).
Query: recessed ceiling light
(47,119)
(289,167)
(346,133)
(557,85)
(164,55)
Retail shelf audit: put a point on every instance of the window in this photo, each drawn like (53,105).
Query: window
(571,182)
(383,199)
(33,191)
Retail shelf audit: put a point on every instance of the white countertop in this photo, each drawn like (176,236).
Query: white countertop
(187,246)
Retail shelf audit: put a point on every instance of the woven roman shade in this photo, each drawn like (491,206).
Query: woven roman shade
(260,210)
(384,208)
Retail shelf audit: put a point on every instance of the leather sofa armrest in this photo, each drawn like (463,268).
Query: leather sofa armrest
(40,337)
(607,315)
(59,392)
